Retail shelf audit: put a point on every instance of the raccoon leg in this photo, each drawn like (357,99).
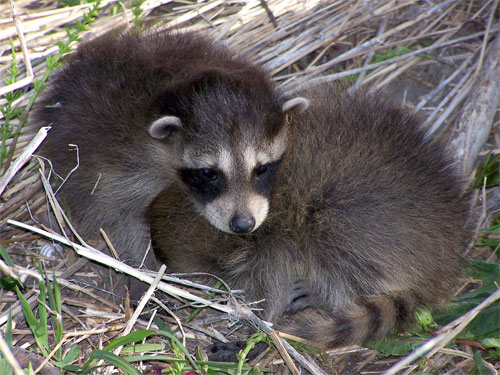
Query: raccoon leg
(299,298)
(226,352)
(369,317)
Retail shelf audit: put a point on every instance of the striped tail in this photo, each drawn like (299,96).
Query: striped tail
(368,318)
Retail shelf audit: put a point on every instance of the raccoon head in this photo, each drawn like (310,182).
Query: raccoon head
(232,132)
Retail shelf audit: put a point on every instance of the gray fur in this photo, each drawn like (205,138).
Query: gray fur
(365,222)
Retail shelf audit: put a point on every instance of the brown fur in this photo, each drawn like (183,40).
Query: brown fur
(365,223)
(105,99)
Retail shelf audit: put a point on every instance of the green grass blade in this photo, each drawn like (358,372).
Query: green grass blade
(30,369)
(172,337)
(114,360)
(491,342)
(43,330)
(55,304)
(7,282)
(6,257)
(57,295)
(72,354)
(7,334)
(140,348)
(489,169)
(226,367)
(5,367)
(177,343)
(480,366)
(34,324)
(161,324)
(28,314)
(128,339)
(66,367)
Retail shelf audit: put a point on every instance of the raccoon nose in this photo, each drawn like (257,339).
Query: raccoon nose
(241,224)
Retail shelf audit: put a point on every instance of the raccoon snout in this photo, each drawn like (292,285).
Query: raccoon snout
(241,224)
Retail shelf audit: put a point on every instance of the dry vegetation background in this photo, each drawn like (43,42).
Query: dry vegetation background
(438,58)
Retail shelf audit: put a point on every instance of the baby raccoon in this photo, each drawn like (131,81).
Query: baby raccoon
(159,110)
(365,222)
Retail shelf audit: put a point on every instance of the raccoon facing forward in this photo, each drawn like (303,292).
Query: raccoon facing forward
(159,110)
(365,223)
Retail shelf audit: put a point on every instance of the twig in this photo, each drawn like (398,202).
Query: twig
(359,81)
(23,158)
(171,313)
(475,121)
(458,93)
(269,13)
(97,256)
(479,221)
(74,334)
(190,15)
(396,73)
(486,36)
(336,76)
(109,243)
(283,344)
(20,34)
(16,85)
(444,83)
(377,40)
(284,354)
(59,213)
(446,334)
(144,300)
(74,169)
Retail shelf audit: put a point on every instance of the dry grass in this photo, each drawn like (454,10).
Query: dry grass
(433,57)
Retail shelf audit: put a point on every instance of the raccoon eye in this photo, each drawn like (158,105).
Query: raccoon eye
(210,174)
(261,169)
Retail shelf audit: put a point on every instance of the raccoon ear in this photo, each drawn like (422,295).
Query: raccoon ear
(296,104)
(164,127)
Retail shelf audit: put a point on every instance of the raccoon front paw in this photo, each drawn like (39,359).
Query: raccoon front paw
(300,297)
(226,352)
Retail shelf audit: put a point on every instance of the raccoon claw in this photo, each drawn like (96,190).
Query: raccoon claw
(226,352)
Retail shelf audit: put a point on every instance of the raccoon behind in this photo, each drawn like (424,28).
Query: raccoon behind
(365,223)
(155,110)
